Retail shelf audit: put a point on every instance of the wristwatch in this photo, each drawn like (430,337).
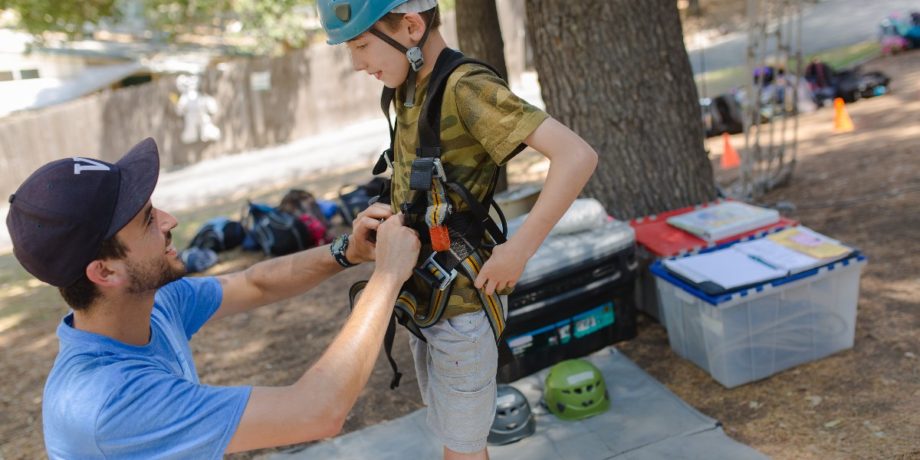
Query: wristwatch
(338,247)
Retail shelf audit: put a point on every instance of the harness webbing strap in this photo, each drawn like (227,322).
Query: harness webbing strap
(405,313)
(491,303)
(386,158)
(482,215)
(438,205)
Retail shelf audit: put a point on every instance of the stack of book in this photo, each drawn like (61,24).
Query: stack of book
(753,262)
(723,220)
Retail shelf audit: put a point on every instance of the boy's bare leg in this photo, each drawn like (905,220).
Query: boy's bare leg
(451,455)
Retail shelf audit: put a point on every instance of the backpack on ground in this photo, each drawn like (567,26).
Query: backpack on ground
(274,232)
(357,198)
(218,234)
(303,205)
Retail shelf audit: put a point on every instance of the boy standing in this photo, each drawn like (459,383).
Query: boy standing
(482,126)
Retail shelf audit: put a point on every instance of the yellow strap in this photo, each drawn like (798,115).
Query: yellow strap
(491,304)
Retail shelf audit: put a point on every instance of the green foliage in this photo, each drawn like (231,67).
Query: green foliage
(69,17)
(259,26)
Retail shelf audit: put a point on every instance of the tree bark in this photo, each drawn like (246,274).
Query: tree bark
(617,73)
(479,33)
(480,36)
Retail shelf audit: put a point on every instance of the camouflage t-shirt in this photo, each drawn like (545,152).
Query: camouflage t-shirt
(483,125)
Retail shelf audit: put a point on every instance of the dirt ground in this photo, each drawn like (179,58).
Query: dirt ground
(863,188)
(860,187)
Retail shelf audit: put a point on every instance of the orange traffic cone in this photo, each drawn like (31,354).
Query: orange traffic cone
(842,121)
(730,158)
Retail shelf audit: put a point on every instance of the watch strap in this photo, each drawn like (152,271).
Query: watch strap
(338,248)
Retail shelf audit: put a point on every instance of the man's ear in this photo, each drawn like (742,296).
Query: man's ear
(416,24)
(107,272)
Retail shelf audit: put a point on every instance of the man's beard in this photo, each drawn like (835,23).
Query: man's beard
(152,275)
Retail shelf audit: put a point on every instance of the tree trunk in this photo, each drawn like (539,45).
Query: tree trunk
(480,37)
(617,73)
(479,33)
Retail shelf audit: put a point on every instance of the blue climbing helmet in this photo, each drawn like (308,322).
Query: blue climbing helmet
(344,20)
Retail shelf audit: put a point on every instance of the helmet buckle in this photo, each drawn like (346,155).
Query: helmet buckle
(416,60)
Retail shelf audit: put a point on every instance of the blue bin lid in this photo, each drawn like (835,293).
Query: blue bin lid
(658,269)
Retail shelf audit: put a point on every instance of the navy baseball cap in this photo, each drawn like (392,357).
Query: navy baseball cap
(62,213)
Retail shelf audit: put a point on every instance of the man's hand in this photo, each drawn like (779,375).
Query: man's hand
(397,248)
(502,270)
(364,232)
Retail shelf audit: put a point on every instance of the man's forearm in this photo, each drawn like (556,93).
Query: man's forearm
(294,274)
(316,405)
(336,380)
(275,279)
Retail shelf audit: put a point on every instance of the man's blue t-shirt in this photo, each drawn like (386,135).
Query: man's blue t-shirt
(107,399)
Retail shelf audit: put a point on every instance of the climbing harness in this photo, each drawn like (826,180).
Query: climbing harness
(458,240)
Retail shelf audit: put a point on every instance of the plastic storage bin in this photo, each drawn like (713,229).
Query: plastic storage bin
(754,333)
(574,297)
(657,239)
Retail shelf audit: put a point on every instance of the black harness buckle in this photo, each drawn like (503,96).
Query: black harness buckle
(423,171)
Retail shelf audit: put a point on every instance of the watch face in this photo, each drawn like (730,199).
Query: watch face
(338,245)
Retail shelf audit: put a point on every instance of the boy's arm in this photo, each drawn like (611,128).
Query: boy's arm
(572,161)
(285,277)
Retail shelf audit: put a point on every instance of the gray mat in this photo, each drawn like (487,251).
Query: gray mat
(645,421)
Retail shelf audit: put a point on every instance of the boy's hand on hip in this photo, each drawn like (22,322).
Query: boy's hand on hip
(502,270)
(364,232)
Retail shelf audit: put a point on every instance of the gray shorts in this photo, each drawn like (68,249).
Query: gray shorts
(456,375)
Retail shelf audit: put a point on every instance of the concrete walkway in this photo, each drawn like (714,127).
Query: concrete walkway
(645,421)
(826,25)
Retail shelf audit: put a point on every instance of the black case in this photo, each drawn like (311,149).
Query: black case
(567,313)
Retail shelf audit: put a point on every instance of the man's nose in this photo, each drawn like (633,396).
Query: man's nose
(167,220)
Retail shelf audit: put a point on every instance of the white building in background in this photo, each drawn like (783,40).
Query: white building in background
(35,75)
(32,77)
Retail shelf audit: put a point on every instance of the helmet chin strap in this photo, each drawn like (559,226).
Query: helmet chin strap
(414,55)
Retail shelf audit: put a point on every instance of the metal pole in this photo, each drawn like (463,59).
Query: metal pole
(750,112)
(798,75)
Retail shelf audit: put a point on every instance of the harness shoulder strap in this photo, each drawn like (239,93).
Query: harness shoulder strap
(386,158)
(430,117)
(429,126)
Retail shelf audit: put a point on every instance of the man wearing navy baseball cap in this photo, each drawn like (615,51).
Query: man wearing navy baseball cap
(124,384)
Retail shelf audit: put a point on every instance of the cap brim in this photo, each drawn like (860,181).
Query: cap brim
(140,169)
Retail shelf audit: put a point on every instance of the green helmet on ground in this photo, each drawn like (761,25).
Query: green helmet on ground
(575,389)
